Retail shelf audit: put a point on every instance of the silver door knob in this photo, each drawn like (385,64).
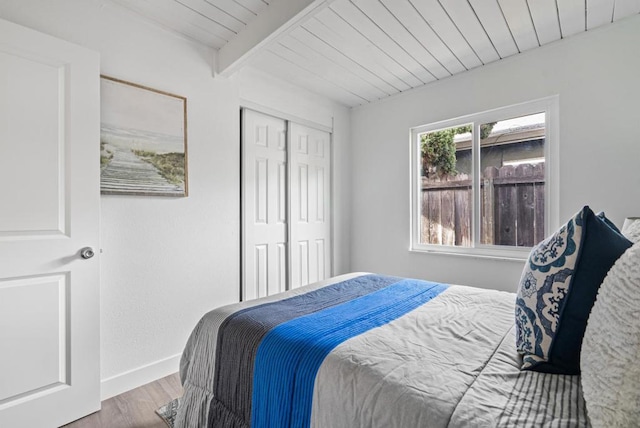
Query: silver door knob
(87,253)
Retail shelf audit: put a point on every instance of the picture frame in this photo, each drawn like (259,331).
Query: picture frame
(143,140)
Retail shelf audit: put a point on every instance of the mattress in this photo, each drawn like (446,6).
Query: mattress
(385,352)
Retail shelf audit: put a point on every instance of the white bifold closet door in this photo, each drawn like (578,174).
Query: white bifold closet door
(310,185)
(264,204)
(286,205)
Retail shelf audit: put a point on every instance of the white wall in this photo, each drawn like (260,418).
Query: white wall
(596,77)
(167,261)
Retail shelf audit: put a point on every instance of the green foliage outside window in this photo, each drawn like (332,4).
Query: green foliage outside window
(438,150)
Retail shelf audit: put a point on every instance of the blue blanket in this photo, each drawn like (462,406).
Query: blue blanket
(268,356)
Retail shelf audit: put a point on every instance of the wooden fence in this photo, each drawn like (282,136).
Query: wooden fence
(512,207)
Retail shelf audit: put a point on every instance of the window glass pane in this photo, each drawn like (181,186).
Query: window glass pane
(445,195)
(512,181)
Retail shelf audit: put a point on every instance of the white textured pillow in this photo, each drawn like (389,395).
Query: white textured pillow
(611,347)
(633,231)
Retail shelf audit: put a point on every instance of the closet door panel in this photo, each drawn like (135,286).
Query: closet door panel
(264,202)
(310,226)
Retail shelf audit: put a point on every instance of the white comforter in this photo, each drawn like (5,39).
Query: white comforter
(449,363)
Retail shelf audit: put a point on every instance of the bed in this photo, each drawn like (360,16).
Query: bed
(365,350)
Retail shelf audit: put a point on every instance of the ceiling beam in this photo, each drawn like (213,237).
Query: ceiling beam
(273,21)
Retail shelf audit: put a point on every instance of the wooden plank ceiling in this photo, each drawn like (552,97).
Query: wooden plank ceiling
(359,51)
(212,22)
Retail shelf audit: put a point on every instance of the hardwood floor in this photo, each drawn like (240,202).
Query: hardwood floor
(135,408)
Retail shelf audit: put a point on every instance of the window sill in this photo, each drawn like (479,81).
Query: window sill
(500,253)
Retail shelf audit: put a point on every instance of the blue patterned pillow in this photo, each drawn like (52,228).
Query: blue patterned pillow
(557,290)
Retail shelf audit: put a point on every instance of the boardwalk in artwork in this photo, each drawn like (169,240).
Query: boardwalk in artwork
(128,173)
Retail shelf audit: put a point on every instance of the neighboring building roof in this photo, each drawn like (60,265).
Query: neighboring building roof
(510,135)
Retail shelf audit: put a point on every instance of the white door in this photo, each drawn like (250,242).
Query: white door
(310,198)
(264,205)
(49,210)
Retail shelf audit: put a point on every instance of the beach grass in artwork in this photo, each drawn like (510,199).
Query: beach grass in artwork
(169,165)
(142,141)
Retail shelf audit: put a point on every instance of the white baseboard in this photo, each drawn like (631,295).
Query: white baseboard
(131,379)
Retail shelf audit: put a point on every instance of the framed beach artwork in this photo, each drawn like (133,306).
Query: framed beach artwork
(143,140)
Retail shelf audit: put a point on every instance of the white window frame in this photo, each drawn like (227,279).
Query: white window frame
(550,106)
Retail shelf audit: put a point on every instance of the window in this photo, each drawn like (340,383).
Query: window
(484,184)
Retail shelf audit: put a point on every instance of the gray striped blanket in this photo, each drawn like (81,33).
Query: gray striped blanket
(450,362)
